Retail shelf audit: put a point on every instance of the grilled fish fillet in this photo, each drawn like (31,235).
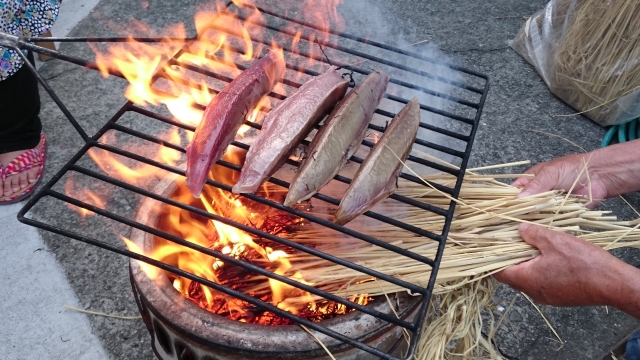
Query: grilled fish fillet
(225,114)
(288,124)
(338,139)
(376,178)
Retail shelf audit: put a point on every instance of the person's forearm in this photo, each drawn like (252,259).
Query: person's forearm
(618,166)
(624,293)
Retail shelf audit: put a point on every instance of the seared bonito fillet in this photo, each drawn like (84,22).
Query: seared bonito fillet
(338,139)
(376,178)
(226,113)
(287,125)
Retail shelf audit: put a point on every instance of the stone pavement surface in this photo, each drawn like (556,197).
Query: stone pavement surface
(472,34)
(35,325)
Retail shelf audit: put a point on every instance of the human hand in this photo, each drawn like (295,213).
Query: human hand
(561,174)
(613,171)
(568,272)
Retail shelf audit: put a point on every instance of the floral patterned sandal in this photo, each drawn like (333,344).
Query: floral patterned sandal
(23,162)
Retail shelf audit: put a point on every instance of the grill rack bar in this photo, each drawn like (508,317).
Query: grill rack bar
(343,179)
(406,176)
(328,199)
(91,142)
(278,206)
(314,73)
(401,198)
(449,133)
(369,144)
(219,255)
(376,44)
(213,285)
(357,69)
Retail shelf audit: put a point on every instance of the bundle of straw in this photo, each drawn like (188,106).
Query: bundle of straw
(588,52)
(483,239)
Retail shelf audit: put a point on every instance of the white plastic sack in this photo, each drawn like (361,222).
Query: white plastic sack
(588,53)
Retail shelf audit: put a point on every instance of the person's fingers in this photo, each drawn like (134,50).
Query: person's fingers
(595,192)
(544,181)
(501,276)
(535,235)
(522,181)
(594,195)
(515,274)
(592,205)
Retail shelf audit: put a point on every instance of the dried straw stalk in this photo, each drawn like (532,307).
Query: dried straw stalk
(483,239)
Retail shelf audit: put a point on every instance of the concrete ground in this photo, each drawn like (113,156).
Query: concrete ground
(473,34)
(35,324)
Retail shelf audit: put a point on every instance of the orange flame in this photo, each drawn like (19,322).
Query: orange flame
(221,237)
(115,166)
(123,168)
(225,44)
(74,190)
(151,271)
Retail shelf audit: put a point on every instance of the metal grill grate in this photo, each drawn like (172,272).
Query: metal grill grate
(459,125)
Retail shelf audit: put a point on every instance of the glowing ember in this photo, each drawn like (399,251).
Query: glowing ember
(230,241)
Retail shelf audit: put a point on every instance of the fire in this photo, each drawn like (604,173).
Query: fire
(151,271)
(230,241)
(281,291)
(141,63)
(117,167)
(225,44)
(89,197)
(223,238)
(132,172)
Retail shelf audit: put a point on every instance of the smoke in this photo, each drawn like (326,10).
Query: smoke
(376,21)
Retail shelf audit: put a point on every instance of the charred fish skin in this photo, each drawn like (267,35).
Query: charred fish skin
(338,139)
(287,125)
(376,178)
(225,114)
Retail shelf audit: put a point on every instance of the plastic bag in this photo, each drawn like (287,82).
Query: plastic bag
(588,53)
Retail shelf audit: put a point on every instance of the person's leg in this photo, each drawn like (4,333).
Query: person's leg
(20,126)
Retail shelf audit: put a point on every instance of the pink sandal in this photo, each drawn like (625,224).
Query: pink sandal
(22,163)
